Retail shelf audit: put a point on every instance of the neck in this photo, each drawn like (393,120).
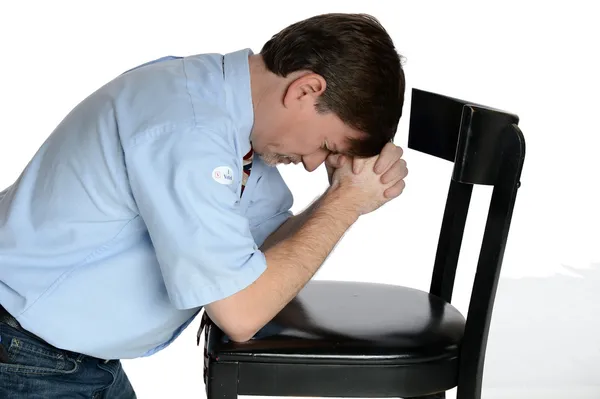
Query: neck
(258,72)
(265,86)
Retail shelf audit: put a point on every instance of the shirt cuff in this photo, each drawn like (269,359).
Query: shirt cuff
(263,230)
(204,295)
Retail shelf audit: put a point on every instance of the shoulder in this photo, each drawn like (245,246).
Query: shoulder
(175,94)
(205,153)
(210,137)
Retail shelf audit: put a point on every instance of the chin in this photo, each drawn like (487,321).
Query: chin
(269,159)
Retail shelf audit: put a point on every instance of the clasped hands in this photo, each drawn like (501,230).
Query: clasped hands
(389,164)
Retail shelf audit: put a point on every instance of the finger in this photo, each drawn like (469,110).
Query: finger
(358,164)
(397,171)
(340,160)
(388,156)
(395,190)
(333,160)
(330,169)
(385,158)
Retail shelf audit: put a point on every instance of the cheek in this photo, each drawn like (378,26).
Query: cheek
(301,142)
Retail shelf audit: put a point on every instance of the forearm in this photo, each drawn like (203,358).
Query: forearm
(290,226)
(291,263)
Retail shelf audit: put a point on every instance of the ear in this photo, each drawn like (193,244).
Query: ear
(306,87)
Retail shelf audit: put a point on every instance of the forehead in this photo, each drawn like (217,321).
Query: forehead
(338,138)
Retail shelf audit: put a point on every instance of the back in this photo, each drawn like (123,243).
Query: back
(78,266)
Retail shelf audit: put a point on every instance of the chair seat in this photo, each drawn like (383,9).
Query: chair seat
(354,323)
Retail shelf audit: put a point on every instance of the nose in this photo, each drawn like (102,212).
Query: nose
(312,161)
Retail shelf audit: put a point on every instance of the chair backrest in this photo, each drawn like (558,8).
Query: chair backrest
(487,148)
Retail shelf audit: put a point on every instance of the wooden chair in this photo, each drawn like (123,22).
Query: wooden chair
(350,339)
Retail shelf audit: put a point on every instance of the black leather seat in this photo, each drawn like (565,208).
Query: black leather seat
(352,339)
(356,323)
(353,321)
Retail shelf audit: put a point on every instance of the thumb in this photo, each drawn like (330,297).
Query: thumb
(335,160)
(358,164)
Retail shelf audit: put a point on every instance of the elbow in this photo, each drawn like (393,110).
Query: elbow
(240,332)
(236,327)
(239,336)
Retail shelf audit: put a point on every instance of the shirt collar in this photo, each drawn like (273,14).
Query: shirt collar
(236,72)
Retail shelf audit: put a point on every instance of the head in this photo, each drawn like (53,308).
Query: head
(332,83)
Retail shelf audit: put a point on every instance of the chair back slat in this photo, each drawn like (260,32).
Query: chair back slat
(434,124)
(479,151)
(450,239)
(487,148)
(490,260)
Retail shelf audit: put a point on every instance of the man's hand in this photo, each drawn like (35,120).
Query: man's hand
(333,162)
(389,165)
(362,191)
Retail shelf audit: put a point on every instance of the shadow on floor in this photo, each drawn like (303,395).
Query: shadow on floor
(545,334)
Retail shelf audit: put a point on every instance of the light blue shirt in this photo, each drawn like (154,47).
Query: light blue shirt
(130,217)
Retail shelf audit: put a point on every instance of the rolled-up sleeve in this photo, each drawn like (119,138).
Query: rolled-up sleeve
(185,184)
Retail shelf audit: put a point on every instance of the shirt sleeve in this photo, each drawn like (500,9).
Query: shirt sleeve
(186,187)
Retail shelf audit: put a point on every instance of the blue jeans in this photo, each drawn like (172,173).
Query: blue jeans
(31,368)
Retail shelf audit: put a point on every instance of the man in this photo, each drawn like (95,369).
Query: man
(156,197)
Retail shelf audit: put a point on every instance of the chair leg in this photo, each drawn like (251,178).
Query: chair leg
(469,387)
(222,380)
(441,395)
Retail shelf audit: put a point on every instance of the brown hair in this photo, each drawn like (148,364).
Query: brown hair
(358,60)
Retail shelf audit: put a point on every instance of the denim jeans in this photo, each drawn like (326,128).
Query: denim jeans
(31,368)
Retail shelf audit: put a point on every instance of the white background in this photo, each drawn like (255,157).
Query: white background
(539,61)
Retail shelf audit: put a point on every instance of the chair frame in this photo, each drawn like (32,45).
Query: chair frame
(487,148)
(481,130)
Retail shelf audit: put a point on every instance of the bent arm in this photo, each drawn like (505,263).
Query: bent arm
(294,253)
(290,226)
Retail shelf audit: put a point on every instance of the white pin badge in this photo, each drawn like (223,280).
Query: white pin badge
(223,175)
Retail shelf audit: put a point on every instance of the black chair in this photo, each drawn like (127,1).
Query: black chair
(349,339)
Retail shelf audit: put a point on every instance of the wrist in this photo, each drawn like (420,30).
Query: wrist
(338,205)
